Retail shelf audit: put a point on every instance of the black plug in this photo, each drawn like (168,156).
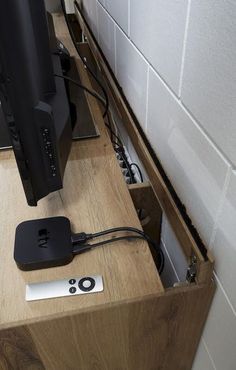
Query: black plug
(80,238)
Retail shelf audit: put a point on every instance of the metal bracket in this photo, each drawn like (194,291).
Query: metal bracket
(192,270)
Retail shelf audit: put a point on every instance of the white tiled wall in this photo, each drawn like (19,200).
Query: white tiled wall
(90,12)
(176,62)
(165,18)
(189,158)
(203,360)
(52,5)
(106,35)
(119,11)
(69,5)
(171,244)
(55,6)
(132,73)
(209,78)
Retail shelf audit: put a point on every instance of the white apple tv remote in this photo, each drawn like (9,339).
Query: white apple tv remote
(63,288)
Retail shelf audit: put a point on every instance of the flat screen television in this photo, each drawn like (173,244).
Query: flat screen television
(35,103)
(39,117)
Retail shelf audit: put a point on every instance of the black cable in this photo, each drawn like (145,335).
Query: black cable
(91,92)
(110,126)
(88,246)
(121,229)
(95,95)
(81,238)
(121,152)
(142,236)
(131,174)
(139,171)
(106,104)
(115,143)
(161,262)
(98,97)
(127,166)
(140,211)
(120,144)
(85,247)
(82,58)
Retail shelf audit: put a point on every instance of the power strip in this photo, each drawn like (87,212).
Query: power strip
(124,168)
(134,169)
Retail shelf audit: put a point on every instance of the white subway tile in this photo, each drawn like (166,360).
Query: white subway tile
(53,6)
(202,360)
(224,243)
(168,276)
(175,251)
(131,73)
(89,8)
(209,78)
(106,35)
(220,333)
(119,11)
(157,29)
(69,6)
(194,167)
(163,225)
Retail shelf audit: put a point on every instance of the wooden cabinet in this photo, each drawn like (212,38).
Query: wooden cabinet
(135,323)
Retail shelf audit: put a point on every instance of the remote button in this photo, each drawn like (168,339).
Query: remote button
(72,281)
(72,290)
(86,284)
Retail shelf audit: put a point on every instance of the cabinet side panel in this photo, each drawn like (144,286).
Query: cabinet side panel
(17,350)
(153,333)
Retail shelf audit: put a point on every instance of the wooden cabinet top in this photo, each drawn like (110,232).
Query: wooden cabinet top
(95,197)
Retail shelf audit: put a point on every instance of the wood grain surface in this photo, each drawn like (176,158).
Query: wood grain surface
(134,324)
(95,197)
(150,333)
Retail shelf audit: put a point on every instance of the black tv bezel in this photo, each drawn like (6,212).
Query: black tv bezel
(33,99)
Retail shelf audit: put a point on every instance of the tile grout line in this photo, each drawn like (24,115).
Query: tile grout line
(140,53)
(195,121)
(206,135)
(184,48)
(220,207)
(129,19)
(113,19)
(182,105)
(124,34)
(208,352)
(98,32)
(115,50)
(163,225)
(171,262)
(224,293)
(147,96)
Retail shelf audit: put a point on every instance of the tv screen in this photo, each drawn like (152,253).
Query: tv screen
(34,102)
(5,141)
